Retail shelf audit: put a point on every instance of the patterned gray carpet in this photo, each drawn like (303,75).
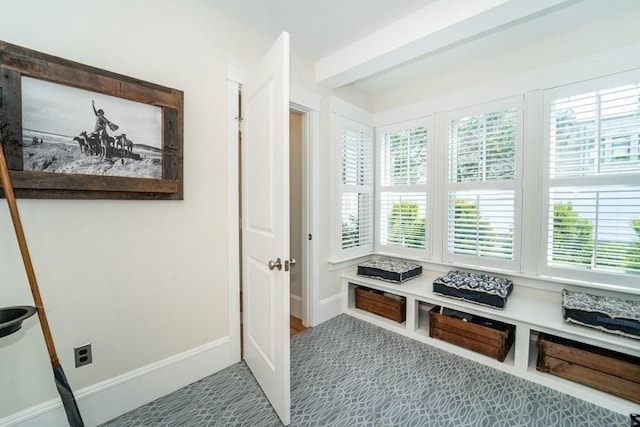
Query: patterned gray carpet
(347,372)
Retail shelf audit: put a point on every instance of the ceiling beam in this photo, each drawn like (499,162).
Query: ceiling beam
(441,24)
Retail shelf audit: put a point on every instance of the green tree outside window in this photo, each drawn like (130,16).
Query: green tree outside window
(405,227)
(572,236)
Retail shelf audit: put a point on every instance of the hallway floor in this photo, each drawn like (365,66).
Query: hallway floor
(295,326)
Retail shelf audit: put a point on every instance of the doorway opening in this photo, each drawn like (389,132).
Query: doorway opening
(297,235)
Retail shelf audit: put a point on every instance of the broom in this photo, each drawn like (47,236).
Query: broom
(68,400)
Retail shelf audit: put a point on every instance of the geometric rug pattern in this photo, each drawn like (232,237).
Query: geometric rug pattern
(347,372)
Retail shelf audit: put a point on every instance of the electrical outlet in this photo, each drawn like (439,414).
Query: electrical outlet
(83,355)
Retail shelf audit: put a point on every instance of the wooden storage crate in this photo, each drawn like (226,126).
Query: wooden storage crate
(374,301)
(486,336)
(606,370)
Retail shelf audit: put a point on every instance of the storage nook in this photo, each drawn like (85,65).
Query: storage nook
(610,371)
(381,303)
(530,314)
(476,333)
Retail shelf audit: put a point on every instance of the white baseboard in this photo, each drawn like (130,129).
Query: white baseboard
(295,306)
(48,413)
(328,308)
(106,400)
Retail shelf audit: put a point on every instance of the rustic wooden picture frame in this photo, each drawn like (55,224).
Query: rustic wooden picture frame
(17,62)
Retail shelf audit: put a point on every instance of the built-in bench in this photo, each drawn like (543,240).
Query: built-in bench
(530,310)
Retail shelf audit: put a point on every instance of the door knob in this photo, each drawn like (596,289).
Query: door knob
(275,264)
(292,262)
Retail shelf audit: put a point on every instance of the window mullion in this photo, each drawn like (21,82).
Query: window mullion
(598,131)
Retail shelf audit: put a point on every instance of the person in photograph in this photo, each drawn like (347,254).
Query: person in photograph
(102,123)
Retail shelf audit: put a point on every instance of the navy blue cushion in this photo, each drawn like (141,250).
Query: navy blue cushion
(608,314)
(474,287)
(389,269)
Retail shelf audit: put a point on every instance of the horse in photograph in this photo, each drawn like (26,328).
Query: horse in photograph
(106,143)
(91,143)
(124,144)
(98,143)
(84,147)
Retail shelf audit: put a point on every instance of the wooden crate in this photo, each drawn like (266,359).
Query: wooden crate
(377,302)
(606,370)
(486,336)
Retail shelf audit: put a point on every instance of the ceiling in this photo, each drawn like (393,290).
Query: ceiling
(318,27)
(378,44)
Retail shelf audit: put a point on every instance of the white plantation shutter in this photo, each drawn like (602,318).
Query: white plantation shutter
(403,157)
(483,185)
(403,204)
(595,133)
(356,220)
(403,219)
(482,147)
(356,186)
(593,183)
(472,233)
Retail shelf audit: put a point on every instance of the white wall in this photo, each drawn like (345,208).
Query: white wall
(142,281)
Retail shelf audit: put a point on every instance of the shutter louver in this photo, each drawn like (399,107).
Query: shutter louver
(356,220)
(483,147)
(595,227)
(403,219)
(357,162)
(403,157)
(481,223)
(595,133)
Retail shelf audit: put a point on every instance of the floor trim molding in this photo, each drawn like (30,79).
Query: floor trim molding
(106,400)
(295,306)
(328,308)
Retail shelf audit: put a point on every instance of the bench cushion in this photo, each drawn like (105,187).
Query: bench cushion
(474,287)
(389,269)
(608,314)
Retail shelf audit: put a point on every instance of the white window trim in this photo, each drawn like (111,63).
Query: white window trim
(341,111)
(602,280)
(409,253)
(513,265)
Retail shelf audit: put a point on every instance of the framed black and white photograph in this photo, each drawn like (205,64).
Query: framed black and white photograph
(70,130)
(74,131)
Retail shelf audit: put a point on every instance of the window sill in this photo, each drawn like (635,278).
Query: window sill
(542,282)
(340,263)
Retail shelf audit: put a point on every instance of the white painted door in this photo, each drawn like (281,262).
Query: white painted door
(265,225)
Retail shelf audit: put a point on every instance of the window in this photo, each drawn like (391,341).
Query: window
(482,190)
(620,149)
(402,196)
(593,181)
(356,187)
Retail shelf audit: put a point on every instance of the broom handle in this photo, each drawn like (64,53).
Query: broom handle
(26,258)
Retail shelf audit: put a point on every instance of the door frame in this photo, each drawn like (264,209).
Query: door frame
(308,104)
